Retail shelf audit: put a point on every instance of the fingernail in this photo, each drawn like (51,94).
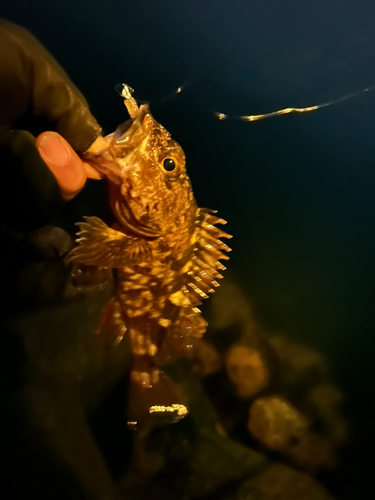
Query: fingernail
(54,149)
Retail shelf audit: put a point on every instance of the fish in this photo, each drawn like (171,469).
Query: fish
(164,251)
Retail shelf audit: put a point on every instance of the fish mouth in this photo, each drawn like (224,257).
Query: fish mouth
(128,137)
(133,130)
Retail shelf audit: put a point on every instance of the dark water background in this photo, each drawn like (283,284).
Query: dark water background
(298,191)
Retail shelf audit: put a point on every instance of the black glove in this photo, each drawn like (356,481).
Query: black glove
(35,95)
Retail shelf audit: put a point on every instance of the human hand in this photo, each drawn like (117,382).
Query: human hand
(37,96)
(44,123)
(69,170)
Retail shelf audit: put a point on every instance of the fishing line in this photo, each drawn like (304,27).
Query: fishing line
(126,92)
(287,111)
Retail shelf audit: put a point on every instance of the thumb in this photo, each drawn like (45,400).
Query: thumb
(63,162)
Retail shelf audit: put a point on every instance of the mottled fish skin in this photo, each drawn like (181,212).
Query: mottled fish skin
(164,250)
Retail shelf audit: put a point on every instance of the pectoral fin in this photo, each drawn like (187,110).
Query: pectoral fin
(99,245)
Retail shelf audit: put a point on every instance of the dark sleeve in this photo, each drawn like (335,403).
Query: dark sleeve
(33,84)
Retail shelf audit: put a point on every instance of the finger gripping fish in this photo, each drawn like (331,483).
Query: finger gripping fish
(164,250)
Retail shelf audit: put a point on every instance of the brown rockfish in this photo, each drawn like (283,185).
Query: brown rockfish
(164,250)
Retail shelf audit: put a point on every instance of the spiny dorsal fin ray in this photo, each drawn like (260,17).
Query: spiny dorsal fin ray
(202,275)
(220,266)
(215,242)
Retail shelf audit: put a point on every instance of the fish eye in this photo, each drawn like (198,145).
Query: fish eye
(169,164)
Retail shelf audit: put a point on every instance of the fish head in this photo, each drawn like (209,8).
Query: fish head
(150,192)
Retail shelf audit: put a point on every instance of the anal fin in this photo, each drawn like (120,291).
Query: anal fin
(111,325)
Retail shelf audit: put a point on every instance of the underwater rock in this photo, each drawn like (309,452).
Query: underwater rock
(298,357)
(247,370)
(276,423)
(229,307)
(281,483)
(327,400)
(312,452)
(204,358)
